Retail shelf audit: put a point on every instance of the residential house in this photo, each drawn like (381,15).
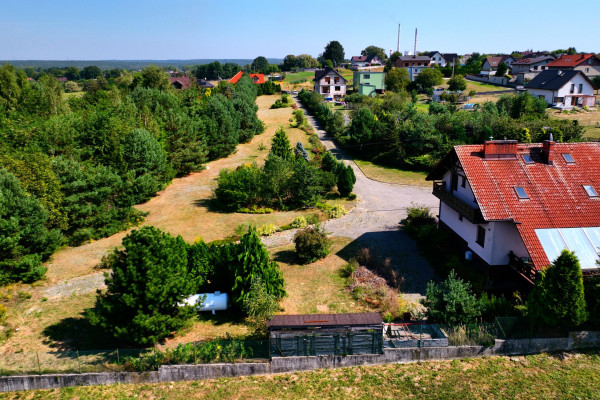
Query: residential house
(533,64)
(330,83)
(436,58)
(451,58)
(180,82)
(490,64)
(368,83)
(414,64)
(204,84)
(366,61)
(563,89)
(515,206)
(589,64)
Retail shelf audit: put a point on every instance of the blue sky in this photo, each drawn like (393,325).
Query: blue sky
(187,29)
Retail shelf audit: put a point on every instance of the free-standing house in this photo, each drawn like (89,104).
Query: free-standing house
(589,64)
(563,89)
(414,64)
(325,334)
(516,206)
(490,64)
(330,83)
(368,83)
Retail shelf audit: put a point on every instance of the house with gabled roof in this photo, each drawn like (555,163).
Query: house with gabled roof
(490,64)
(330,84)
(563,89)
(180,82)
(413,64)
(515,206)
(530,64)
(366,61)
(256,78)
(589,64)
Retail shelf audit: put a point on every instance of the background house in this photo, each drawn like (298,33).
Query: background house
(414,64)
(589,64)
(533,64)
(180,82)
(517,206)
(490,64)
(563,89)
(368,83)
(366,61)
(330,84)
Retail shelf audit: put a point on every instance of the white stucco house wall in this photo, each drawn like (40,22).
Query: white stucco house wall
(563,89)
(330,84)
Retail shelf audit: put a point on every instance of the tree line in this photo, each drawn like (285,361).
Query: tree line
(71,170)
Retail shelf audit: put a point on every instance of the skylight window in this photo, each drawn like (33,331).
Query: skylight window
(521,192)
(527,158)
(568,158)
(590,190)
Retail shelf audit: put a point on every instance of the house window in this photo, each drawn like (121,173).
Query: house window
(572,88)
(325,89)
(480,236)
(581,88)
(367,76)
(568,158)
(463,182)
(338,88)
(590,190)
(454,186)
(336,79)
(521,192)
(535,68)
(559,99)
(587,70)
(527,158)
(328,80)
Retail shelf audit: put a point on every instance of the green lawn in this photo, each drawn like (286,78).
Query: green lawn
(479,87)
(570,376)
(298,76)
(392,175)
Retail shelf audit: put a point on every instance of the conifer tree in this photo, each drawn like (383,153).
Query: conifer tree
(280,145)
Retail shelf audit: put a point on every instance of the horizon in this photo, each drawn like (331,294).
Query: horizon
(119,31)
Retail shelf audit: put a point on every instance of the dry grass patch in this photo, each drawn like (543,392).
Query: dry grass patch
(317,287)
(590,120)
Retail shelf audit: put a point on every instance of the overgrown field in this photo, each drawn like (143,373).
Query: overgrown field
(561,376)
(589,120)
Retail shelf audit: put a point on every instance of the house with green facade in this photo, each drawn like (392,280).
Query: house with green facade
(368,83)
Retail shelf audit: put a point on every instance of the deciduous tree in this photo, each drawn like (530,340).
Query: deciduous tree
(334,52)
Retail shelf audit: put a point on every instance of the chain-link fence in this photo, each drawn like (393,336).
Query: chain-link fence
(26,363)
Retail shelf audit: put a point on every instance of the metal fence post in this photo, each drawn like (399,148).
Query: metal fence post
(78,362)
(118,360)
(37,355)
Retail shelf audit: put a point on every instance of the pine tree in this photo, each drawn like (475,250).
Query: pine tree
(345,180)
(280,145)
(558,298)
(149,278)
(253,262)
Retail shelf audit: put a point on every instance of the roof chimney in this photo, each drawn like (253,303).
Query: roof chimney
(548,151)
(500,149)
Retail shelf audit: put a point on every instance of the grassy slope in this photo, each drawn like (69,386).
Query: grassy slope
(590,120)
(539,377)
(392,175)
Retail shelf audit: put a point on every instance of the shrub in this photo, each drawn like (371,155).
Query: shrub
(592,298)
(345,179)
(255,210)
(299,222)
(312,244)
(348,269)
(373,290)
(336,211)
(418,215)
(239,188)
(267,230)
(259,306)
(451,302)
(312,219)
(557,299)
(492,307)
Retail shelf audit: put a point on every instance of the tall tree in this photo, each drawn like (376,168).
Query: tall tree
(260,64)
(502,69)
(154,77)
(373,51)
(149,278)
(429,77)
(90,72)
(334,52)
(457,83)
(396,79)
(557,298)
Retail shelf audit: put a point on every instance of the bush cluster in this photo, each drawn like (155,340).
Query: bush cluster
(155,271)
(285,101)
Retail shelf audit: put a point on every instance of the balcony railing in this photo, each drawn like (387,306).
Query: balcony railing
(471,213)
(524,266)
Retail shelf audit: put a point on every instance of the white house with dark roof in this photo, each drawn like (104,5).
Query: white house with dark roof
(563,89)
(330,84)
(533,64)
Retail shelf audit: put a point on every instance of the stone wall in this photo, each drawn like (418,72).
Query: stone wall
(171,373)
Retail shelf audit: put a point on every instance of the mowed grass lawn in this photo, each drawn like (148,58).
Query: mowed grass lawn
(392,175)
(532,377)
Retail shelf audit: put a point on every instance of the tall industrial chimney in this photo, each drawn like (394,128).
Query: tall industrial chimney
(415,53)
(398,49)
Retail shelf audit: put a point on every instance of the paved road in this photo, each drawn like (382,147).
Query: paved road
(374,221)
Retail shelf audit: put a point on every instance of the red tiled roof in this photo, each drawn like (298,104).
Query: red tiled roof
(570,60)
(557,198)
(358,58)
(236,78)
(257,78)
(184,81)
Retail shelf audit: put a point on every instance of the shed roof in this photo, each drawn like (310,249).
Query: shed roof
(317,320)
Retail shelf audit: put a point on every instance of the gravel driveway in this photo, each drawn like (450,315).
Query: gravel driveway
(374,221)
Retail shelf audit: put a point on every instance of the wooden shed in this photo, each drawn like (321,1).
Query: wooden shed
(325,334)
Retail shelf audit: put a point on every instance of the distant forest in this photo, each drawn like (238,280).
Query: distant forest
(127,64)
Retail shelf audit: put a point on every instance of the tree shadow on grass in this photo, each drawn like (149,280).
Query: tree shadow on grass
(211,204)
(77,334)
(286,256)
